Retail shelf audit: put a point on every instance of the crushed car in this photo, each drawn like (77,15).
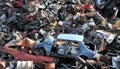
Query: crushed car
(23,50)
(66,45)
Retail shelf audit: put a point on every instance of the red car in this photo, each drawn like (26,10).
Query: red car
(23,50)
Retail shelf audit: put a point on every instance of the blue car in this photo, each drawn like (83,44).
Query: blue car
(66,45)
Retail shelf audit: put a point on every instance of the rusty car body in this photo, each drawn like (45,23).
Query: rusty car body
(23,51)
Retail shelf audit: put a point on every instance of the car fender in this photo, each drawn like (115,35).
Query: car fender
(87,53)
(47,47)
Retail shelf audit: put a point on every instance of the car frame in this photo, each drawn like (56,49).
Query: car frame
(82,52)
(21,55)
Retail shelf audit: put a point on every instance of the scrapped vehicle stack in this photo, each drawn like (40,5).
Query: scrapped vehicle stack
(59,34)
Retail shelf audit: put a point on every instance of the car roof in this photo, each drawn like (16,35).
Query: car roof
(71,37)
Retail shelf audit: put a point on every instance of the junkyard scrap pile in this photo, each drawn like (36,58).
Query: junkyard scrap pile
(60,34)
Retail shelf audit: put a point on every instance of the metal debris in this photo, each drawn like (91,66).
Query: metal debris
(68,34)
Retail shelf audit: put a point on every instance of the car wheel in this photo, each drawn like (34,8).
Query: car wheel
(41,51)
